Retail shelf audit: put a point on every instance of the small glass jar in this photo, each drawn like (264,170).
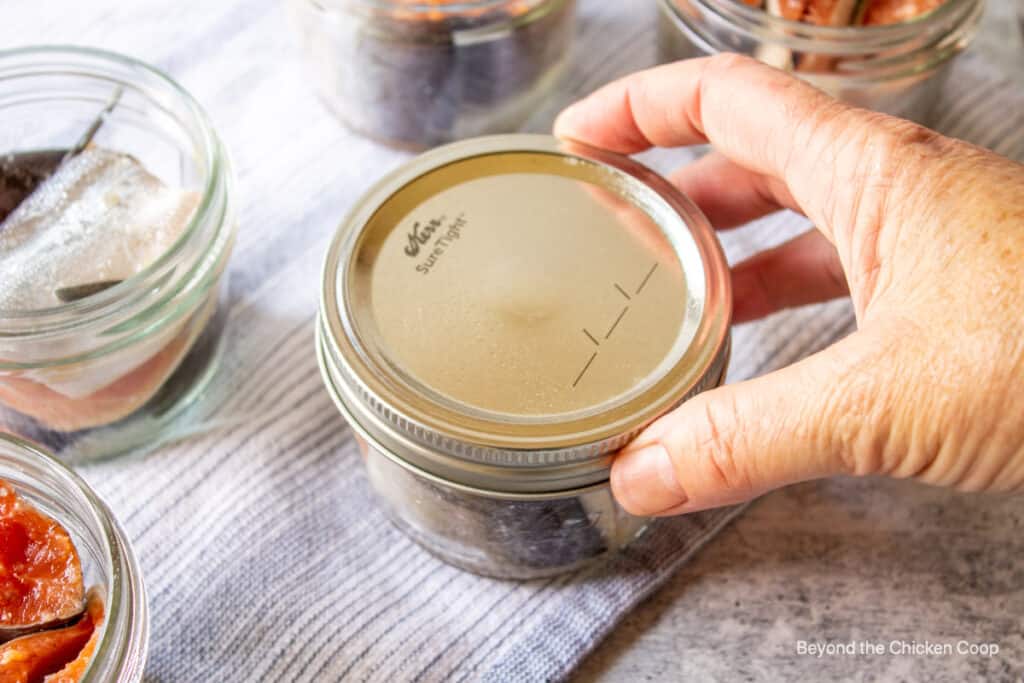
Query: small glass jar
(112,371)
(896,69)
(500,316)
(415,73)
(108,561)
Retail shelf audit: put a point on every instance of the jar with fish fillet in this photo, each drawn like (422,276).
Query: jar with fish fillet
(116,223)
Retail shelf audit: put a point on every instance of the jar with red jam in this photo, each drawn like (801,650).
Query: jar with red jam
(68,577)
(116,223)
(887,55)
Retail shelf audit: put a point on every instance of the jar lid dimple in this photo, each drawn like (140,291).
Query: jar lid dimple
(517,301)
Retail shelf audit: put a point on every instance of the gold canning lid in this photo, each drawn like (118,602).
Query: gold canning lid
(507,311)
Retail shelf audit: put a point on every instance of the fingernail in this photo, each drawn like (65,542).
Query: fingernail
(644,481)
(563,120)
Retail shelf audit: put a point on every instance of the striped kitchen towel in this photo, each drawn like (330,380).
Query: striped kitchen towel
(265,556)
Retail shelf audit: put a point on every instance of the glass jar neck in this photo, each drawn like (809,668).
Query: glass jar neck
(438,8)
(423,20)
(121,653)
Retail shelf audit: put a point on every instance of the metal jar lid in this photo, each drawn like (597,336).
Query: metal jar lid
(506,312)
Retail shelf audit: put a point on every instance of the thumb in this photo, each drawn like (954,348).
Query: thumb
(733,443)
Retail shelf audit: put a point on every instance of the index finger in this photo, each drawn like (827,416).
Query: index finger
(764,120)
(746,109)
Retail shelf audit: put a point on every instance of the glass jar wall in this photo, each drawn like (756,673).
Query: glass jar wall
(896,68)
(415,74)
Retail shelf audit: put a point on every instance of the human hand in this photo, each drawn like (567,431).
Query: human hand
(926,234)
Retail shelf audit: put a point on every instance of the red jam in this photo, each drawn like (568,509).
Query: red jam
(40,575)
(41,586)
(57,656)
(847,12)
(881,12)
(40,657)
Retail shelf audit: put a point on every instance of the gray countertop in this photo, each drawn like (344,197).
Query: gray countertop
(861,561)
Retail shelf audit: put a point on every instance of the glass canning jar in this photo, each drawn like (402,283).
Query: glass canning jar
(415,73)
(108,561)
(113,371)
(498,317)
(897,68)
